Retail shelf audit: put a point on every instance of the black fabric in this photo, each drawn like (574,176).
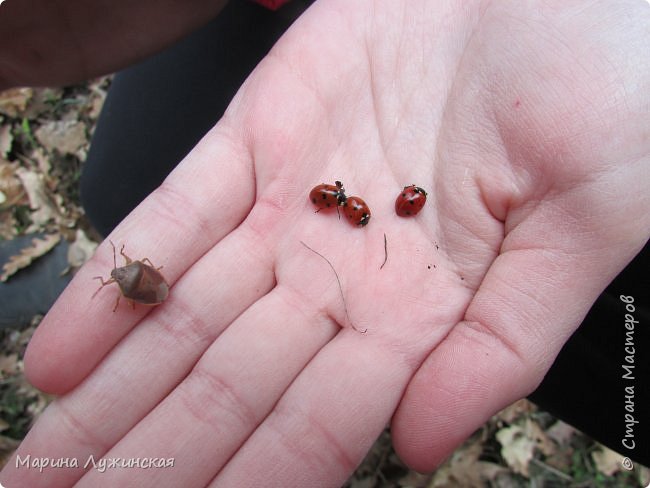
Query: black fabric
(586,387)
(157,111)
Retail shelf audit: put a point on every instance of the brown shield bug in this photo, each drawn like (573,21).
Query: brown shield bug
(139,281)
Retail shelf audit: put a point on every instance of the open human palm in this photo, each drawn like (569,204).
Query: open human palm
(525,124)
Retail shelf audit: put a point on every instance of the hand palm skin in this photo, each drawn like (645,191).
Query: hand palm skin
(526,125)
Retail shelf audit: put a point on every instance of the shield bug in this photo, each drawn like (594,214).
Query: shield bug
(139,281)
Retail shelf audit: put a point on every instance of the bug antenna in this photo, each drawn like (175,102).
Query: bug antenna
(114,258)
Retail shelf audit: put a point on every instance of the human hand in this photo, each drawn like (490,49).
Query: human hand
(526,124)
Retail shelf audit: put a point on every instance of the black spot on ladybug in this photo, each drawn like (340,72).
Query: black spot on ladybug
(412,202)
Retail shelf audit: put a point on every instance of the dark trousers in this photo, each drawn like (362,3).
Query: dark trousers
(157,111)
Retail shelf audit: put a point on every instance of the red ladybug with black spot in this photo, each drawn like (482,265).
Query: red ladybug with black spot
(356,211)
(410,201)
(327,196)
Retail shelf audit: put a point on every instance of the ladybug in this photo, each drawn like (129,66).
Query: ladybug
(326,196)
(410,201)
(356,211)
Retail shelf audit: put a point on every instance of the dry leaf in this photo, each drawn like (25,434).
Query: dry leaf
(80,250)
(517,449)
(464,469)
(28,254)
(6,138)
(516,410)
(519,444)
(41,159)
(44,209)
(65,136)
(7,225)
(607,461)
(413,479)
(10,185)
(561,433)
(13,102)
(542,441)
(9,366)
(98,96)
(42,102)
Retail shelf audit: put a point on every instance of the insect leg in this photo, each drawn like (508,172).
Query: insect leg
(147,260)
(104,283)
(126,258)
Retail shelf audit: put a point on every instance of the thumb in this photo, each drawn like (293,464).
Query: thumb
(535,294)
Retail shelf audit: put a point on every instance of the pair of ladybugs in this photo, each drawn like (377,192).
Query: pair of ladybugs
(409,202)
(327,196)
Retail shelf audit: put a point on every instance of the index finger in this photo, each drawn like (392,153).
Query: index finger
(188,214)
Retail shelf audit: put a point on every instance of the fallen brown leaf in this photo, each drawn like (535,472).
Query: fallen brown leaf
(519,443)
(6,139)
(516,448)
(13,102)
(42,102)
(29,254)
(41,159)
(516,410)
(9,366)
(465,469)
(543,442)
(44,208)
(65,136)
(98,96)
(561,433)
(10,186)
(413,479)
(80,250)
(607,461)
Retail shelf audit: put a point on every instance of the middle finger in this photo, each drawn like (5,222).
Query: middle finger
(226,396)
